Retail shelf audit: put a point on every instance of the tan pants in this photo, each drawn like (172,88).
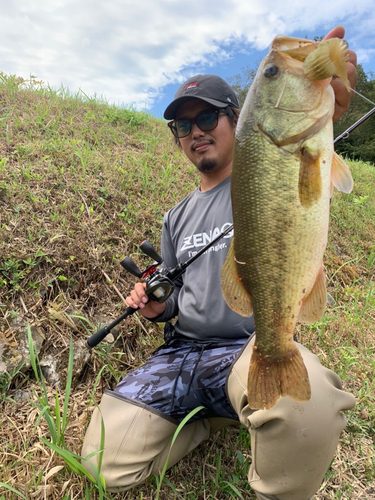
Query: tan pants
(292,444)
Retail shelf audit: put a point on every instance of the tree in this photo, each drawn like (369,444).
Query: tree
(241,83)
(360,145)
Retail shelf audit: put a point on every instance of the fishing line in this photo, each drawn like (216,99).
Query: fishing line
(345,134)
(363,97)
(356,92)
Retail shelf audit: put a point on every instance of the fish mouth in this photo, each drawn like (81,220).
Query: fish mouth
(296,48)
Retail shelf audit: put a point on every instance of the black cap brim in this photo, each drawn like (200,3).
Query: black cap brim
(170,112)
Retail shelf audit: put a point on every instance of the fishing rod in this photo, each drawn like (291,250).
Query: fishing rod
(345,134)
(160,283)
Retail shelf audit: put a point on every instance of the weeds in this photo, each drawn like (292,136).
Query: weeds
(57,421)
(82,183)
(159,479)
(6,379)
(371,259)
(13,490)
(58,416)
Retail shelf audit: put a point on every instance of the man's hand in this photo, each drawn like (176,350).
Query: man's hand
(138,299)
(342,96)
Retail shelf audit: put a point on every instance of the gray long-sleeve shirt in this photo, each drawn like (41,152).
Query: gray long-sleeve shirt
(197,299)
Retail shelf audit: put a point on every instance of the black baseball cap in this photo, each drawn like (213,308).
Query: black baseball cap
(208,88)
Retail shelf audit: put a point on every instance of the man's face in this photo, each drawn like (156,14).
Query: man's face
(209,151)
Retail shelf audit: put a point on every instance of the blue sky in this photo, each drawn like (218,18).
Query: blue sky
(138,53)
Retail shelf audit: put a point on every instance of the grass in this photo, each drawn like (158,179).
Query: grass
(82,183)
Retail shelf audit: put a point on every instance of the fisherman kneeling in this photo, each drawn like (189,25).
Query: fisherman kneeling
(205,358)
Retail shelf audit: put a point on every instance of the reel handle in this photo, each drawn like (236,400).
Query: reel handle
(131,267)
(149,250)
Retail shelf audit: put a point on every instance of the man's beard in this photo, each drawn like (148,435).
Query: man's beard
(207,165)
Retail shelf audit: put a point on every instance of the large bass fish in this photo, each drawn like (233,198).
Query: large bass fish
(284,170)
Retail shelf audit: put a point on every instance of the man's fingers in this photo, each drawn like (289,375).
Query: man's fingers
(342,96)
(352,58)
(337,32)
(137,298)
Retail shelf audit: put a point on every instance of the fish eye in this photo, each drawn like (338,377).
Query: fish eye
(270,71)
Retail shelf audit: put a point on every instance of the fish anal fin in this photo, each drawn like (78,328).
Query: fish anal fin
(234,293)
(270,378)
(310,179)
(340,175)
(314,304)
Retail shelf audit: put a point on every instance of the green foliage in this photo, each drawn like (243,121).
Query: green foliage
(159,479)
(14,273)
(6,380)
(241,83)
(57,418)
(13,490)
(371,259)
(360,145)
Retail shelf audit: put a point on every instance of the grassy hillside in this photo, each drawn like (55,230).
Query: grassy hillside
(82,183)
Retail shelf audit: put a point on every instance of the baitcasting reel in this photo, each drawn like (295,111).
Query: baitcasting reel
(159,281)
(159,284)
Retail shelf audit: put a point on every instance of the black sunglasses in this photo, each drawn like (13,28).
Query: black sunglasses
(207,120)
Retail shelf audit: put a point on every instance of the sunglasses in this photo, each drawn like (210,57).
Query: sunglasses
(206,121)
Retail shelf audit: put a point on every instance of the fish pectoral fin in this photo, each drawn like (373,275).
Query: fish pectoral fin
(310,178)
(271,378)
(234,293)
(314,304)
(341,178)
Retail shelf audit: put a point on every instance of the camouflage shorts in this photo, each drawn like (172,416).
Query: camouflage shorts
(182,375)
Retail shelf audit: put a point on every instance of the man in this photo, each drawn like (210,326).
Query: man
(205,358)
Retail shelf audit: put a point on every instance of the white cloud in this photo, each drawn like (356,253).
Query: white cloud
(366,55)
(127,50)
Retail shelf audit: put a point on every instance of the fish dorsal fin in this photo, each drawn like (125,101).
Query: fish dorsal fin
(234,293)
(314,304)
(341,178)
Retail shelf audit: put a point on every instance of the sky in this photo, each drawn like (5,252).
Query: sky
(137,53)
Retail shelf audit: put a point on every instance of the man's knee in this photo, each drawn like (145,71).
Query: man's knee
(126,438)
(327,396)
(292,443)
(136,443)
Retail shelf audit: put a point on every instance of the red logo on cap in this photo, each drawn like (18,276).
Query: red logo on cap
(191,85)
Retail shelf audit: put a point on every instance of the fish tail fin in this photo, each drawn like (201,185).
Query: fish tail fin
(270,378)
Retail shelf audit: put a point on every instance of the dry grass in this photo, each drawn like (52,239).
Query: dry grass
(81,185)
